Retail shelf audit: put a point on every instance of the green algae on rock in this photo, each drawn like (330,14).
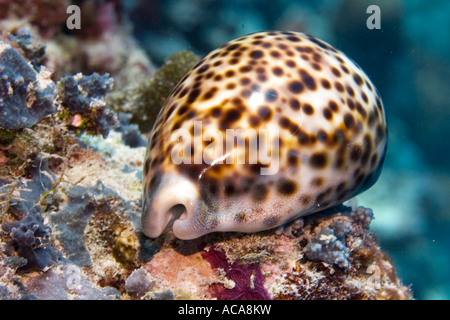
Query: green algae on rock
(145,98)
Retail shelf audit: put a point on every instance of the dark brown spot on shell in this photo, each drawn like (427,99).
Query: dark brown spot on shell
(305,199)
(339,59)
(322,136)
(246,93)
(291,63)
(371,119)
(327,114)
(216,112)
(232,46)
(361,110)
(183,110)
(254,121)
(355,153)
(336,72)
(296,87)
(262,78)
(229,188)
(338,136)
(323,195)
(286,187)
(345,69)
(307,108)
(367,143)
(381,132)
(325,83)
(282,46)
(154,182)
(203,69)
(374,160)
(193,95)
(265,113)
(210,93)
(277,71)
(183,92)
(351,104)
(340,187)
(293,157)
(364,97)
(232,115)
(230,86)
(321,44)
(349,121)
(244,81)
(191,114)
(240,217)
(230,73)
(359,81)
(245,69)
(308,80)
(293,39)
(339,87)
(318,160)
(316,66)
(275,54)
(284,122)
(259,193)
(317,182)
(256,54)
(333,106)
(294,104)
(147,166)
(271,95)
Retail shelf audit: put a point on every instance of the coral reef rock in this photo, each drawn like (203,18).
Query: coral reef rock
(330,255)
(26,94)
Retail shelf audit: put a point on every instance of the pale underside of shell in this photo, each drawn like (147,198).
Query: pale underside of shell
(268,127)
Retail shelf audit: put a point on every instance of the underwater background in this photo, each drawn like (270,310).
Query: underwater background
(408,59)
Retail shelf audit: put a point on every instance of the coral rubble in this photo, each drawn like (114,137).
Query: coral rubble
(29,237)
(26,94)
(83,98)
(284,263)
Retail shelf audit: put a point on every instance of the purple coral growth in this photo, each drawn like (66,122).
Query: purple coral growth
(248,278)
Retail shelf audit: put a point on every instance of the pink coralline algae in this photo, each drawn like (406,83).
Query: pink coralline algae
(247,277)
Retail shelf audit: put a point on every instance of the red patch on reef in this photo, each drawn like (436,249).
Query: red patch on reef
(248,278)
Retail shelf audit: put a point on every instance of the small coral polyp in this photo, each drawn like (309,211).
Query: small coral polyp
(331,142)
